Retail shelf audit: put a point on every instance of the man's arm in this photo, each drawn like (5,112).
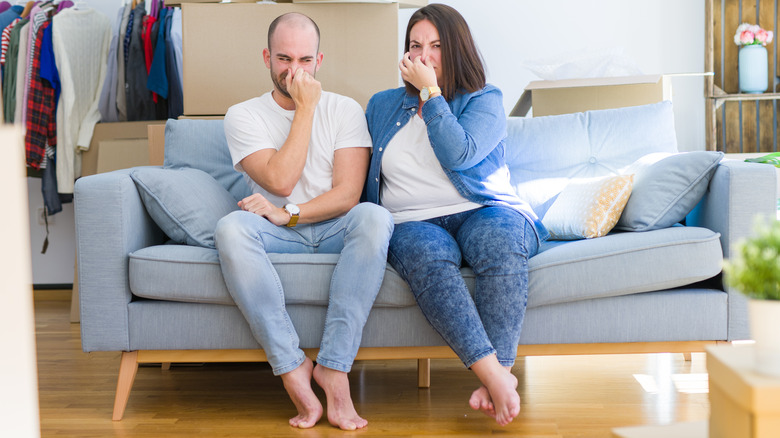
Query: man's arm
(279,171)
(350,166)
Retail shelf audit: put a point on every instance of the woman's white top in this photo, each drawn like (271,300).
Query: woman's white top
(414,186)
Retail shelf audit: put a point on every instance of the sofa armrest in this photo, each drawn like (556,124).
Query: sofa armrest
(738,193)
(111,222)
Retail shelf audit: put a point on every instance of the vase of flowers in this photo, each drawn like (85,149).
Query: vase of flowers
(753,60)
(754,270)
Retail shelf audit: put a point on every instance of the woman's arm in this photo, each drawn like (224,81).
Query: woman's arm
(464,141)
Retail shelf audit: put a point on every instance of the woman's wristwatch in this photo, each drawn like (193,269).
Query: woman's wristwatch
(427,92)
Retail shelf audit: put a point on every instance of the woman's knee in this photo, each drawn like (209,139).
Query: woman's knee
(501,239)
(423,244)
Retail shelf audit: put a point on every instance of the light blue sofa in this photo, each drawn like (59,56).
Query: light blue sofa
(160,301)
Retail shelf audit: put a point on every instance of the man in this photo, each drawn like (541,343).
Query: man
(305,154)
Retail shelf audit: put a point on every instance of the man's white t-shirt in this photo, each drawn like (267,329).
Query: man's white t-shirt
(260,123)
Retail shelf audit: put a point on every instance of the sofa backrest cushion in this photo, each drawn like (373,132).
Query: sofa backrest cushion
(201,144)
(544,153)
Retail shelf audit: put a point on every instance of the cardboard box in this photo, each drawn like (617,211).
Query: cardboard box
(156,135)
(117,146)
(742,403)
(576,95)
(225,67)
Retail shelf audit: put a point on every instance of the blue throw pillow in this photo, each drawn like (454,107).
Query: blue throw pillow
(201,144)
(666,188)
(185,203)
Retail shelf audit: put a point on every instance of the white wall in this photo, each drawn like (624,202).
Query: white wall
(659,36)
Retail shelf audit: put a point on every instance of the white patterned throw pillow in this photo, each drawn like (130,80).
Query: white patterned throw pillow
(588,208)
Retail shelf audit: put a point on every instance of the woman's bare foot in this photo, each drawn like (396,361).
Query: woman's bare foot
(501,386)
(341,411)
(298,385)
(480,401)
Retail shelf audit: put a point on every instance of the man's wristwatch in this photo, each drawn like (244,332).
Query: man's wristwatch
(295,213)
(426,92)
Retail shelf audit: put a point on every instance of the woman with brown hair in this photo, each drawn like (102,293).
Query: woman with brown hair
(438,167)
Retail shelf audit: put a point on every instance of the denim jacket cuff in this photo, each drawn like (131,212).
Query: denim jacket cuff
(434,108)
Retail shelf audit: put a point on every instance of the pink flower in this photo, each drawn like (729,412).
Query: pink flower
(746,37)
(748,34)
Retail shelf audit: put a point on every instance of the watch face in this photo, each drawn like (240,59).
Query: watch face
(292,209)
(425,93)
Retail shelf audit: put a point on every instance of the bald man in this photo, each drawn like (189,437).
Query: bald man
(304,153)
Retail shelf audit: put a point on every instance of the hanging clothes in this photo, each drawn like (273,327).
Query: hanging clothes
(11,64)
(139,99)
(81,41)
(176,39)
(121,99)
(41,126)
(175,95)
(21,74)
(157,81)
(4,41)
(38,15)
(107,105)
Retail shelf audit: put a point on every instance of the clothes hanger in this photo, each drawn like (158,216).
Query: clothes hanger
(27,8)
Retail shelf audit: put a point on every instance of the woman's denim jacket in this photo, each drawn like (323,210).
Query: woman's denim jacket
(467,135)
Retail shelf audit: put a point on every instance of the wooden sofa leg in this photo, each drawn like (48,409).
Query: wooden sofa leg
(688,356)
(127,370)
(423,373)
(166,366)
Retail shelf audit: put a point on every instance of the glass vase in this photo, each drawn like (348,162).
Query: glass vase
(753,69)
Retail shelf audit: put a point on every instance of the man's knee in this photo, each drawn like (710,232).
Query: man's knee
(371,221)
(235,227)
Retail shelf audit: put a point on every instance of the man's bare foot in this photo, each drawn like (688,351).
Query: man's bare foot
(501,386)
(341,411)
(480,401)
(298,385)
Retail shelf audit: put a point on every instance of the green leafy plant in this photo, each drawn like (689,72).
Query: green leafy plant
(754,268)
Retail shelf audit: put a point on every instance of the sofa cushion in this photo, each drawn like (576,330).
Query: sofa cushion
(185,203)
(191,274)
(201,144)
(588,208)
(543,153)
(618,264)
(666,188)
(623,263)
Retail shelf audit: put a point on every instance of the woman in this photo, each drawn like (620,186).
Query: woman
(438,167)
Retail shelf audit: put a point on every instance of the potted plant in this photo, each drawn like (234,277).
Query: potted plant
(754,270)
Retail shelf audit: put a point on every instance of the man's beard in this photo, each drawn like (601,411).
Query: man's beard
(280,82)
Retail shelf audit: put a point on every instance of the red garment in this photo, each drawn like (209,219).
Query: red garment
(146,37)
(41,121)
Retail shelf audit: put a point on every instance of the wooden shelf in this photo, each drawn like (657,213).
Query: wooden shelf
(745,96)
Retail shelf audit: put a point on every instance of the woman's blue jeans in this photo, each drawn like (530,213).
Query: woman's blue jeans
(497,243)
(361,236)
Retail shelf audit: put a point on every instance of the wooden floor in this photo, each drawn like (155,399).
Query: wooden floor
(562,396)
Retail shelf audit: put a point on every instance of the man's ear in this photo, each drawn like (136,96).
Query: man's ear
(267,57)
(320,56)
